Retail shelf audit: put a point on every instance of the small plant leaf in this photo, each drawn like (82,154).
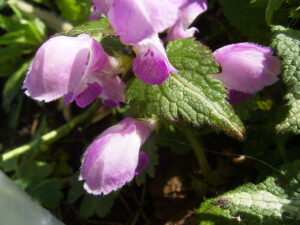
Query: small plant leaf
(274,201)
(286,43)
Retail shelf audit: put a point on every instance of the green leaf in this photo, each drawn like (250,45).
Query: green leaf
(27,173)
(248,18)
(189,94)
(9,23)
(76,190)
(94,28)
(76,11)
(273,6)
(17,37)
(10,60)
(48,192)
(286,43)
(13,86)
(112,44)
(29,33)
(99,205)
(274,201)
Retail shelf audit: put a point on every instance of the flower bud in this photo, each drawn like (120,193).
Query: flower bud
(247,68)
(114,157)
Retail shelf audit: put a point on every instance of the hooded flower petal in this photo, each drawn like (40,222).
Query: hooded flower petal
(62,65)
(89,94)
(76,68)
(113,89)
(152,65)
(188,13)
(112,159)
(136,20)
(247,67)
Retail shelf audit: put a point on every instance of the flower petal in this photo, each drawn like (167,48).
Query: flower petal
(247,67)
(143,18)
(86,97)
(113,89)
(152,65)
(188,13)
(143,162)
(111,160)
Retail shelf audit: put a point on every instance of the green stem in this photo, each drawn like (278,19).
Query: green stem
(53,135)
(50,19)
(197,150)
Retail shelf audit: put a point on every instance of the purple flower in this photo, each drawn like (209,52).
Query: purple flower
(152,65)
(246,68)
(74,67)
(188,13)
(136,20)
(114,157)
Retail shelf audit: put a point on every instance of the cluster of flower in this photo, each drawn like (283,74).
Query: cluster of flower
(79,69)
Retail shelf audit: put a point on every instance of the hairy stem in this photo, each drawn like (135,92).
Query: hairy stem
(53,135)
(197,148)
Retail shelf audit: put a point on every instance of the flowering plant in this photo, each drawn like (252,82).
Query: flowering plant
(164,75)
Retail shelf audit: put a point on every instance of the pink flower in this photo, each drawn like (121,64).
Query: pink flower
(74,67)
(246,68)
(188,13)
(136,20)
(152,65)
(114,157)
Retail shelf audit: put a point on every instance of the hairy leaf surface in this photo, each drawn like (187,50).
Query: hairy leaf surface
(286,43)
(274,201)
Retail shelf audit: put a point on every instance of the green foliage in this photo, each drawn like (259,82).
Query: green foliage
(13,85)
(112,44)
(274,201)
(170,137)
(97,205)
(90,205)
(22,31)
(189,94)
(248,17)
(48,192)
(76,190)
(22,36)
(273,6)
(33,177)
(96,29)
(76,11)
(286,43)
